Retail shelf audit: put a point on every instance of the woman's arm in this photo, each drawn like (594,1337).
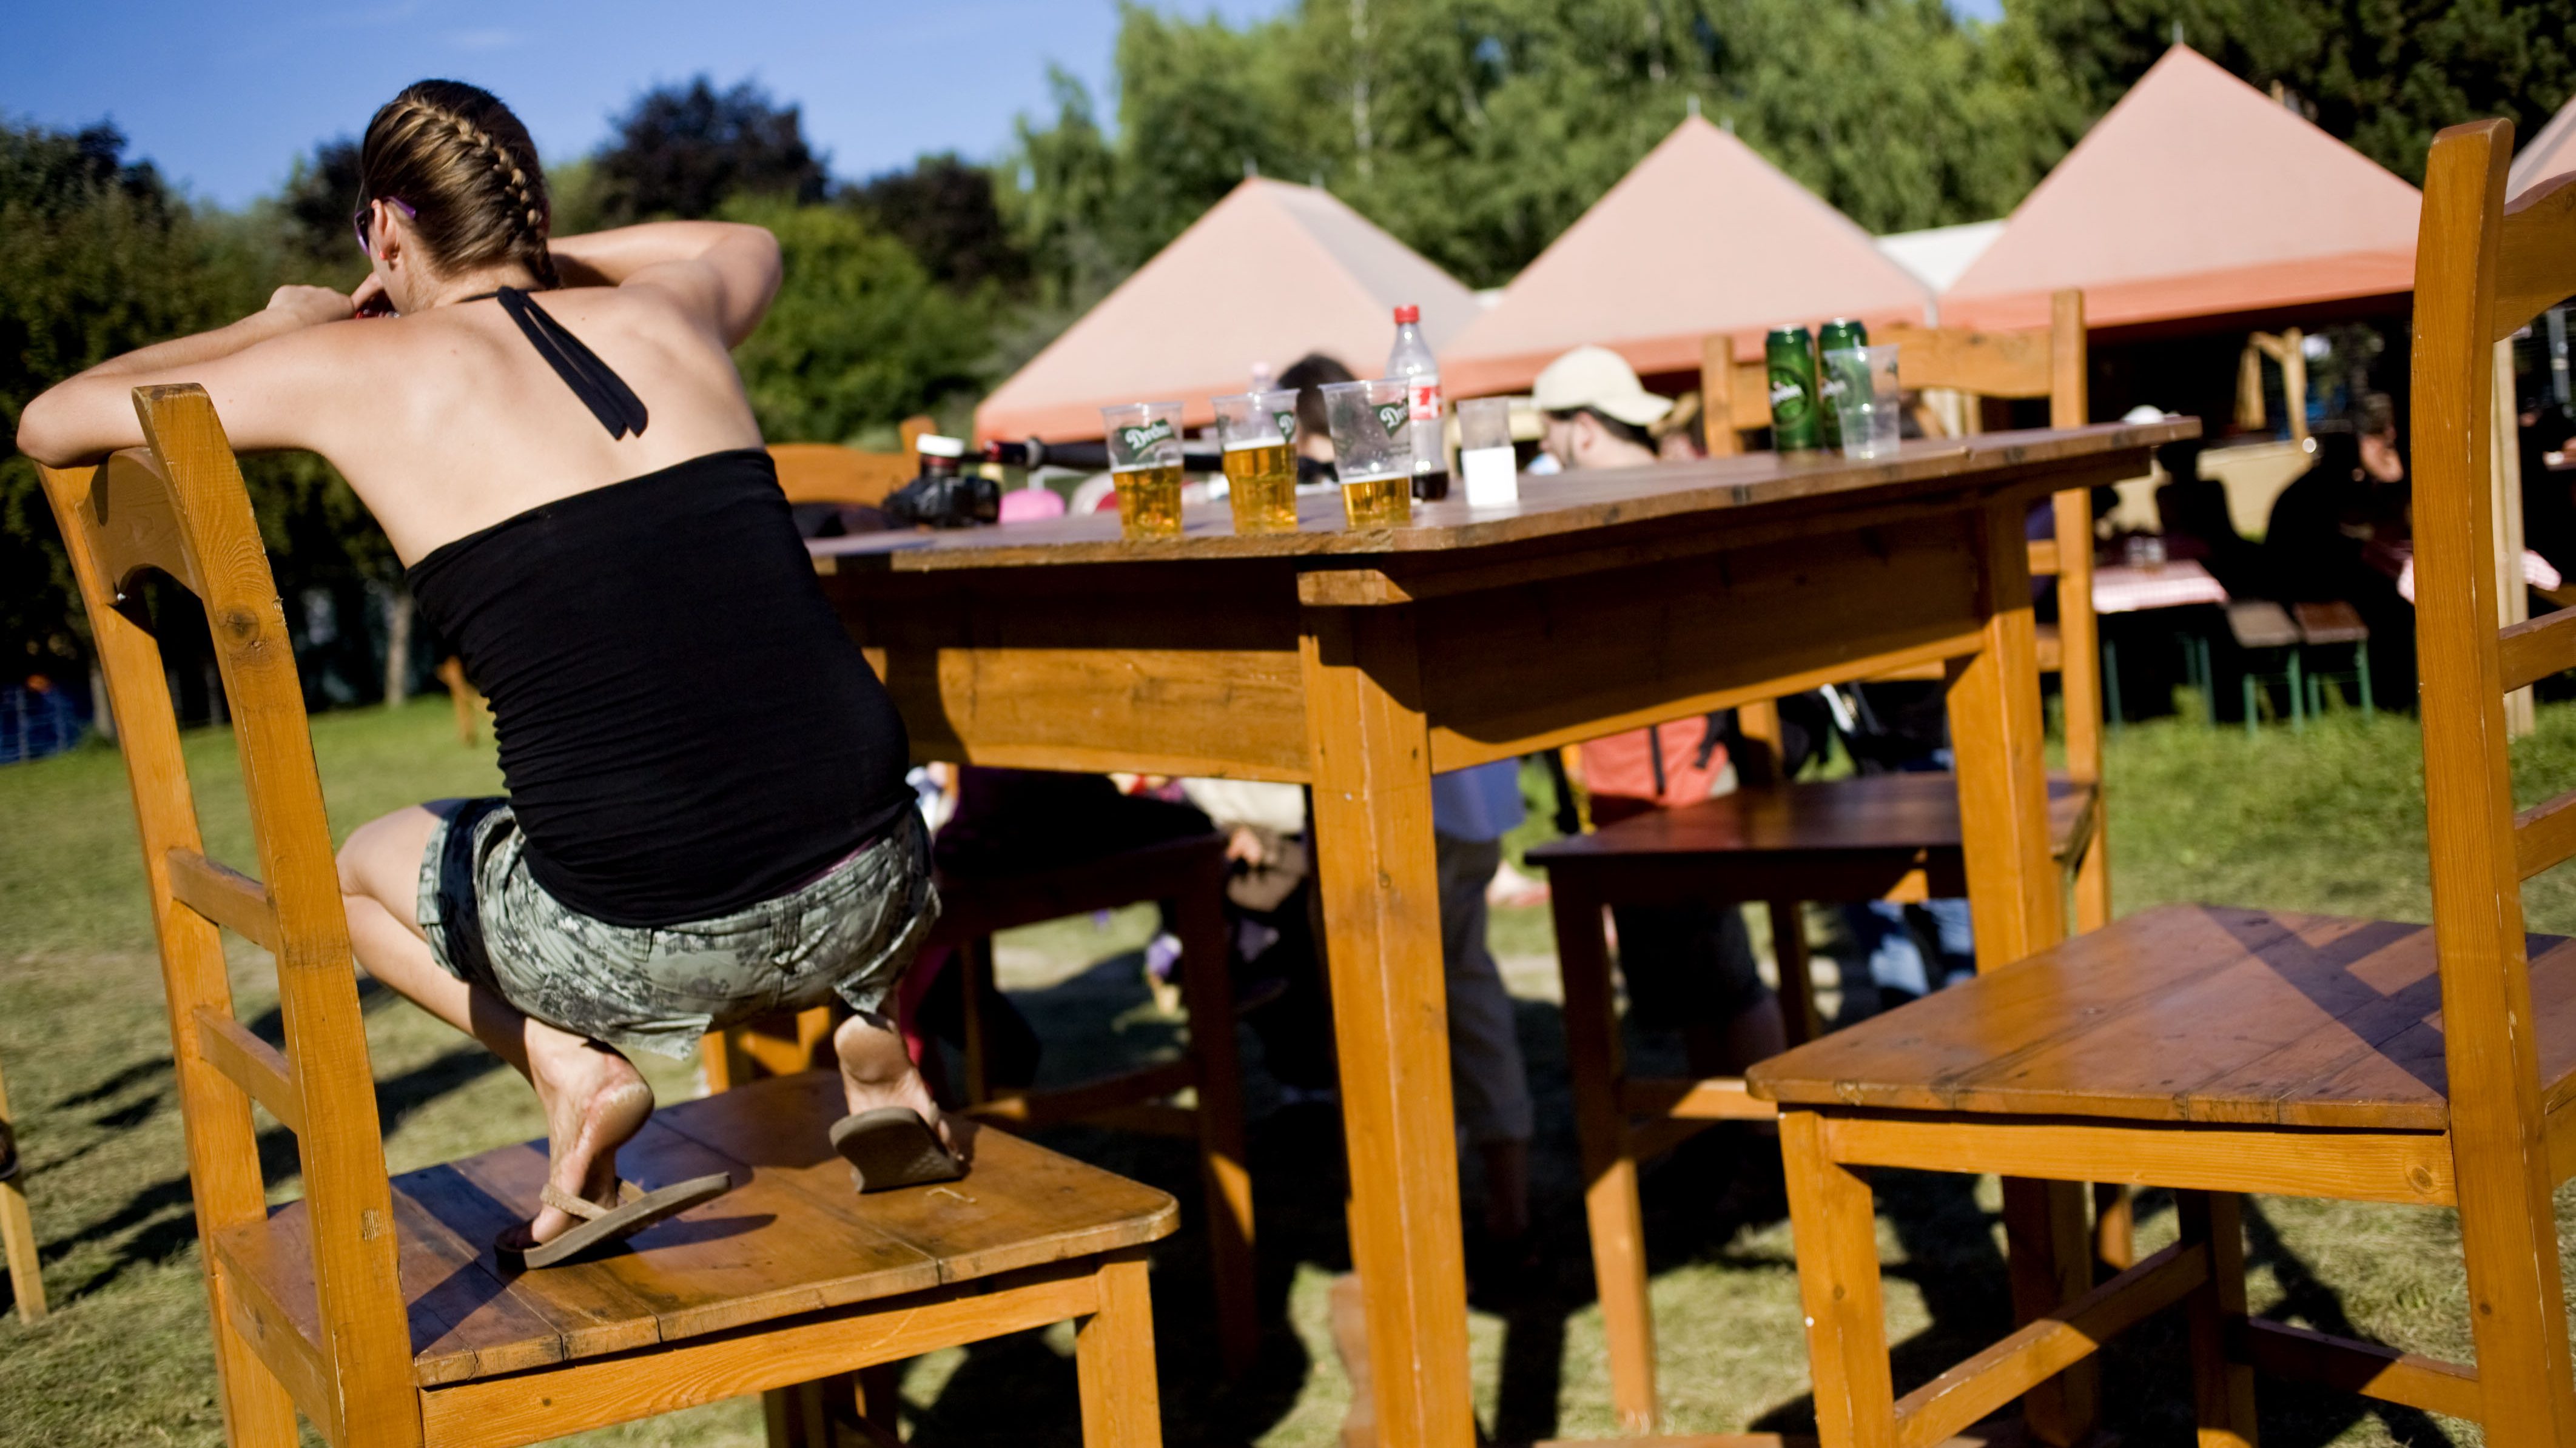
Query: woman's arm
(723,272)
(256,369)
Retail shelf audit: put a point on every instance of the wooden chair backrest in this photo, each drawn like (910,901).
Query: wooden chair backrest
(2481,272)
(823,472)
(177,506)
(2045,362)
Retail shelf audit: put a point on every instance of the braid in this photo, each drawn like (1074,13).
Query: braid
(519,222)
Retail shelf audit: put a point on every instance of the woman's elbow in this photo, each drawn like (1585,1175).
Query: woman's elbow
(42,434)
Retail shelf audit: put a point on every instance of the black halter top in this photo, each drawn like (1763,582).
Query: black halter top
(685,727)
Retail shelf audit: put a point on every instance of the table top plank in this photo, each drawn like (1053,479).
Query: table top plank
(1549,506)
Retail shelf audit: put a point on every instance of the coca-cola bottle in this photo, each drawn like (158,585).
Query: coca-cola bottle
(1412,363)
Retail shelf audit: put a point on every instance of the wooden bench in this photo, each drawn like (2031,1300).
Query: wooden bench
(375,1307)
(2219,1052)
(1893,836)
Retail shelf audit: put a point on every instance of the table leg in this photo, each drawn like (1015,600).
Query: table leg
(1370,750)
(2015,902)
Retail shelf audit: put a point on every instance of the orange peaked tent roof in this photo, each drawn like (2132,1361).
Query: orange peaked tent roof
(1701,236)
(1269,274)
(2551,151)
(2195,196)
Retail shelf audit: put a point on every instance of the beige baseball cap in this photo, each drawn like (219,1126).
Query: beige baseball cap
(1600,379)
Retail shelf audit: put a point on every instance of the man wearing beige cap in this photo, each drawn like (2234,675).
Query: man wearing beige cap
(1688,967)
(1597,411)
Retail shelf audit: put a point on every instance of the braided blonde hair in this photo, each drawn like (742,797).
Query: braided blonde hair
(457,156)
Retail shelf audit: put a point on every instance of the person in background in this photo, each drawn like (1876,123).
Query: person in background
(1681,434)
(1308,377)
(1471,811)
(1688,967)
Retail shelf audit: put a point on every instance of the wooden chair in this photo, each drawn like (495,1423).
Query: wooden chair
(2219,1052)
(17,1229)
(1885,837)
(376,1307)
(974,909)
(1189,872)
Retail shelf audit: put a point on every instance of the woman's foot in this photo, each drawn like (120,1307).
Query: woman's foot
(877,1071)
(595,1101)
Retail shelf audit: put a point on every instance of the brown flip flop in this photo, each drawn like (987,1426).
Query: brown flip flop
(602,1226)
(892,1147)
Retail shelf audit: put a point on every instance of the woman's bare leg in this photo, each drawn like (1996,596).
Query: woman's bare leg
(595,1100)
(877,1071)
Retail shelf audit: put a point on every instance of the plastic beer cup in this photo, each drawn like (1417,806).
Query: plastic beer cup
(1145,462)
(1372,450)
(1259,430)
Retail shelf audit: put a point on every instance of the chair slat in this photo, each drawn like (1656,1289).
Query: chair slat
(2545,834)
(252,1064)
(131,518)
(2537,648)
(1990,364)
(225,896)
(2366,1368)
(2536,255)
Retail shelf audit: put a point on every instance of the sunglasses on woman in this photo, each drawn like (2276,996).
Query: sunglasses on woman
(365,214)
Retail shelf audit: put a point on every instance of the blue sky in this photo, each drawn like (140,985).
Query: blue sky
(225,96)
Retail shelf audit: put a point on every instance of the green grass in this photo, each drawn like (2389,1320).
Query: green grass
(2327,820)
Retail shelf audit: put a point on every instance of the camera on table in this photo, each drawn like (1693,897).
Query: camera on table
(944,496)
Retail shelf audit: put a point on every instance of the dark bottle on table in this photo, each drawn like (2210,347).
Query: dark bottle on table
(1789,358)
(1835,380)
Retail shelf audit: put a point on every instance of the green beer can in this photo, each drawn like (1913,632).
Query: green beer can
(1834,380)
(1790,360)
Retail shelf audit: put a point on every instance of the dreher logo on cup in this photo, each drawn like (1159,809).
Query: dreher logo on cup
(1393,416)
(1140,438)
(1287,425)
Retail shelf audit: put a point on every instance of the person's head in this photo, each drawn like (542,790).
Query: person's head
(2375,420)
(449,188)
(1677,437)
(1597,412)
(1308,377)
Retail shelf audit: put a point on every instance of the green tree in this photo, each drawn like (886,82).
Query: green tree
(859,337)
(685,150)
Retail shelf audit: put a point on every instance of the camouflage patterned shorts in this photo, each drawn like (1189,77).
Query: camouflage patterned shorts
(851,932)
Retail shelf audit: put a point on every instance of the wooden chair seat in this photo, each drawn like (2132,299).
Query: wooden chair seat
(2186,1013)
(792,1238)
(976,906)
(1892,836)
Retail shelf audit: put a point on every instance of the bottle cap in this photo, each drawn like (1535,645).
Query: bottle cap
(1407,313)
(932,445)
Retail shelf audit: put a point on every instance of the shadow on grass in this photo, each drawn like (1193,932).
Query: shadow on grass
(161,1217)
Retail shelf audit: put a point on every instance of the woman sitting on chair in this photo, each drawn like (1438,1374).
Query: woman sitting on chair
(707,818)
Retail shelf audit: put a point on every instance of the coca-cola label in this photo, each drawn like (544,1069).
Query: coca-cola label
(1425,396)
(1392,416)
(1140,438)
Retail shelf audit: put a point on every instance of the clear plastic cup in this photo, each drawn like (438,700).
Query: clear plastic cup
(1372,450)
(1867,400)
(1145,461)
(1259,430)
(1485,452)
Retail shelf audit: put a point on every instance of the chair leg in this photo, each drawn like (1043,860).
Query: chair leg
(1114,1357)
(2249,701)
(1592,1058)
(1797,971)
(17,1229)
(258,1413)
(2093,877)
(800,1416)
(879,1400)
(1224,1164)
(2051,1262)
(2222,1388)
(2298,686)
(2111,686)
(1836,1226)
(2361,672)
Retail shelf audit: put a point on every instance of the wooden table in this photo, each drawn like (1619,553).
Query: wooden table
(1360,663)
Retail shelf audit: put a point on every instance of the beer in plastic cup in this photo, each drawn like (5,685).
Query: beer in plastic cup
(1259,430)
(1145,462)
(1485,452)
(1372,450)
(1869,400)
